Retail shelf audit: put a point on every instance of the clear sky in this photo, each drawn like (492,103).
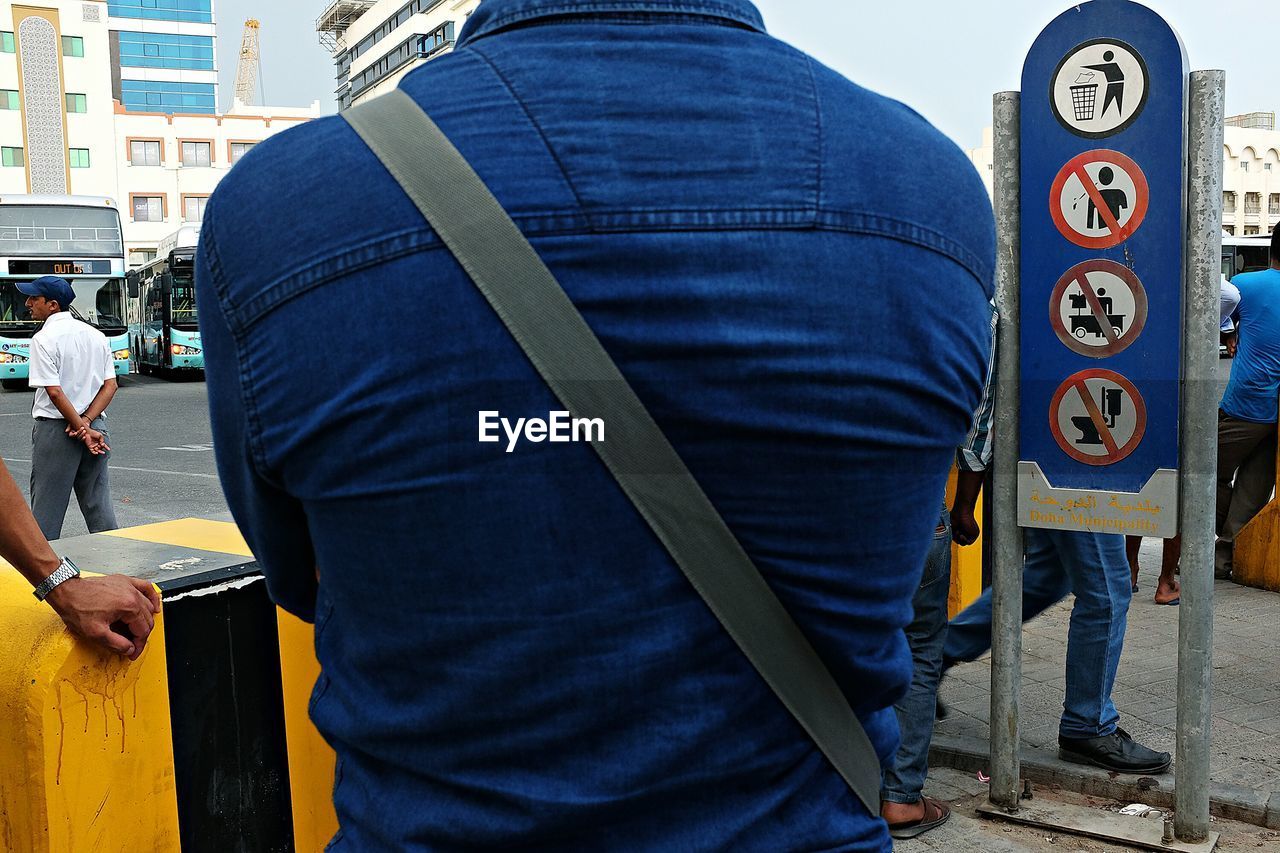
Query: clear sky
(944,58)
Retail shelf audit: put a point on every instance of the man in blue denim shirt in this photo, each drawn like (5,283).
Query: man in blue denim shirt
(509,656)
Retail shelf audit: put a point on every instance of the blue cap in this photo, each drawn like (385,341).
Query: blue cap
(50,287)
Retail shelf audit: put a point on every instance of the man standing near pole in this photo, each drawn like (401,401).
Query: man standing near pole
(74,377)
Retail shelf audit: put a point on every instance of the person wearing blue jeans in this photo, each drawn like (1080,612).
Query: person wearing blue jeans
(902,803)
(906,810)
(1094,568)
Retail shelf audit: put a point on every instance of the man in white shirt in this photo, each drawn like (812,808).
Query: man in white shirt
(74,377)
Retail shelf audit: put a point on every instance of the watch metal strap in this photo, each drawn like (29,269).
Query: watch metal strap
(66,571)
(569,357)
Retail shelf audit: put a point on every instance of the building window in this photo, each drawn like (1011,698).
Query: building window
(1230,229)
(414,7)
(416,47)
(1273,204)
(1266,167)
(162,96)
(166,50)
(76,103)
(6,42)
(193,207)
(1252,203)
(1228,202)
(1244,165)
(186,11)
(79,158)
(236,150)
(144,152)
(1251,231)
(197,153)
(9,99)
(12,156)
(148,208)
(72,46)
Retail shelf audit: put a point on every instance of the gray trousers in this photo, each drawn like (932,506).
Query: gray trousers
(1246,478)
(60,464)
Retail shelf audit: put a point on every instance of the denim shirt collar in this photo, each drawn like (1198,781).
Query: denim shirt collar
(493,15)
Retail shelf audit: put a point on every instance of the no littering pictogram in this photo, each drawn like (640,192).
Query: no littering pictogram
(1099,199)
(1098,308)
(1097,417)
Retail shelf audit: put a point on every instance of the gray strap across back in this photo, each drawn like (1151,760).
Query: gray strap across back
(570,358)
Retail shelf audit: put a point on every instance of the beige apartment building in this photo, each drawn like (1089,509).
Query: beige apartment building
(376,42)
(1250,173)
(169,163)
(120,99)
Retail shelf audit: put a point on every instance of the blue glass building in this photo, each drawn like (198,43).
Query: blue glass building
(164,55)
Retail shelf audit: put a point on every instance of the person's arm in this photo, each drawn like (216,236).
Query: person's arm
(90,607)
(973,457)
(273,521)
(63,404)
(101,400)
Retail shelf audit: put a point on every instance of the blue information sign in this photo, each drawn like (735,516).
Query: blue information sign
(1103,147)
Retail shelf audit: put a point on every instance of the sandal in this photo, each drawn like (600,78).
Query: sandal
(935,815)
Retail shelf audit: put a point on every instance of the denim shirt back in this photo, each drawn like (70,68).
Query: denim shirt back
(794,275)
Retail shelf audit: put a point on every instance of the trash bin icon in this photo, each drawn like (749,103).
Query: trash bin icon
(1084,99)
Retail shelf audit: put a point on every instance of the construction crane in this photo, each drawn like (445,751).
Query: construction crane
(248,71)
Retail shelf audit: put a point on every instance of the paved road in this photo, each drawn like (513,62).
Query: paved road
(161,453)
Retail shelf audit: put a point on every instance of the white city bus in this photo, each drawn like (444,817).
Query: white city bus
(1244,254)
(163,332)
(77,238)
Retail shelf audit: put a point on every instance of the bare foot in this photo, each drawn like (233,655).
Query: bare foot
(894,813)
(1167,592)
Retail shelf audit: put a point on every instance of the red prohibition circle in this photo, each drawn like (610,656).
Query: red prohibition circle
(1079,272)
(1075,166)
(1078,379)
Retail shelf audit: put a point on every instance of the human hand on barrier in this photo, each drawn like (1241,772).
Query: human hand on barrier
(114,612)
(1232,341)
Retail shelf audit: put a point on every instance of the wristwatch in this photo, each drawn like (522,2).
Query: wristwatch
(66,571)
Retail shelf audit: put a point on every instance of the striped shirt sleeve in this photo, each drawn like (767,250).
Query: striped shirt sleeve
(975,453)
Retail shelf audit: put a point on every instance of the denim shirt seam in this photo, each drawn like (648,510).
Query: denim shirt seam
(821,137)
(383,248)
(524,108)
(239,335)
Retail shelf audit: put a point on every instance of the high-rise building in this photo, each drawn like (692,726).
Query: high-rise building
(119,98)
(376,42)
(163,55)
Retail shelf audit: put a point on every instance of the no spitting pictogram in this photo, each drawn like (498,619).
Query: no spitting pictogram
(1097,417)
(1099,199)
(1098,308)
(1099,88)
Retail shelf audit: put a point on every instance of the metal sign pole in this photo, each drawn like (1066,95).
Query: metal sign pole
(1199,450)
(1006,573)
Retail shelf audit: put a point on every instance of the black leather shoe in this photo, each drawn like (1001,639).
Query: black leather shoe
(1117,752)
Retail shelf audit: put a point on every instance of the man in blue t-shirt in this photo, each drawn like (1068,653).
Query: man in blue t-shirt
(1247,415)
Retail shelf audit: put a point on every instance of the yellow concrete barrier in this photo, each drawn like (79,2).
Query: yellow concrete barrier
(966,562)
(86,756)
(1256,561)
(311,760)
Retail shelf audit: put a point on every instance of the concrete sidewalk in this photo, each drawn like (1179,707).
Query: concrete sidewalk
(1245,764)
